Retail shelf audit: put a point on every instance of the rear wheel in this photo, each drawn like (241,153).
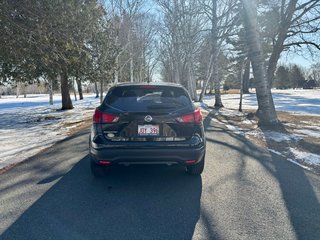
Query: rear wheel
(96,170)
(196,169)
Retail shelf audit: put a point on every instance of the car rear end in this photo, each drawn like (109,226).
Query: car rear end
(147,124)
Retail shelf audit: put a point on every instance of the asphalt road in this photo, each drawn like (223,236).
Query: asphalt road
(244,193)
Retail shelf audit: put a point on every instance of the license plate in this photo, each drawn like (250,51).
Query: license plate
(148,130)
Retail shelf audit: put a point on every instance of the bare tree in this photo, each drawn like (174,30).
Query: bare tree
(133,37)
(170,40)
(222,18)
(297,25)
(266,111)
(314,72)
(181,40)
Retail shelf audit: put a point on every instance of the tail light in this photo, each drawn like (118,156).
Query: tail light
(195,117)
(100,117)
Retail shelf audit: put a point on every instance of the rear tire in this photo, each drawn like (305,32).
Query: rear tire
(196,169)
(97,170)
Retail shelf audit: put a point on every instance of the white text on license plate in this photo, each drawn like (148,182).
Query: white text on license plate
(148,130)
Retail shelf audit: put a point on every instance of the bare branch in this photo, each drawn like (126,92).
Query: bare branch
(302,43)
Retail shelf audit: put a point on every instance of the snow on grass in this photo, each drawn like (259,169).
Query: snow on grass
(312,133)
(230,112)
(249,128)
(311,124)
(309,158)
(248,122)
(28,125)
(280,137)
(274,136)
(234,129)
(257,133)
(300,101)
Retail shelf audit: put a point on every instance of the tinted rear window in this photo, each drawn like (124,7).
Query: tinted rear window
(148,98)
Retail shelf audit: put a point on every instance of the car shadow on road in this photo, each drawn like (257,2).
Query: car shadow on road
(143,202)
(296,184)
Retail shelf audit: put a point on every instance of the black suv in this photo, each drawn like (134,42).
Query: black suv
(151,123)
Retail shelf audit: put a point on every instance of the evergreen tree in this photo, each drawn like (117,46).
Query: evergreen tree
(297,77)
(282,80)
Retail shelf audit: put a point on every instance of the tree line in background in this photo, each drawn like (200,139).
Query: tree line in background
(293,76)
(201,44)
(286,76)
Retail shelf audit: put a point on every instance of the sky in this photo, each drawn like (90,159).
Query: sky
(293,58)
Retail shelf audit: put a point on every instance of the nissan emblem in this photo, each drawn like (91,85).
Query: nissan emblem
(148,118)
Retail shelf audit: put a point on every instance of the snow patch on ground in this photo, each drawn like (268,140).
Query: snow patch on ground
(29,125)
(257,133)
(310,158)
(308,132)
(230,112)
(280,137)
(248,122)
(299,101)
(215,120)
(235,129)
(274,136)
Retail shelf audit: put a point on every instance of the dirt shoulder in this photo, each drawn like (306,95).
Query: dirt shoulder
(78,126)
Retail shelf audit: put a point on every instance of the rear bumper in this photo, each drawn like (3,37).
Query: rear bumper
(127,156)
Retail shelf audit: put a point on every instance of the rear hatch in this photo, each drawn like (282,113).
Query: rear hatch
(147,113)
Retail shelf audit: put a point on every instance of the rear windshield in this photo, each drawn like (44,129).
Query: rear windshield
(148,99)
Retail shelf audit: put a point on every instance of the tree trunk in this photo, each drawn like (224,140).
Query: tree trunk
(215,77)
(131,67)
(74,90)
(189,87)
(50,90)
(203,89)
(217,93)
(101,89)
(176,59)
(24,90)
(176,73)
(116,72)
(266,110)
(208,77)
(211,85)
(18,89)
(241,83)
(278,46)
(65,94)
(191,83)
(246,77)
(96,88)
(79,85)
(212,74)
